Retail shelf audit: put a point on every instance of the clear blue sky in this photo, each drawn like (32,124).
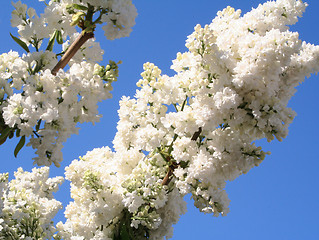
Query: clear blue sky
(277,200)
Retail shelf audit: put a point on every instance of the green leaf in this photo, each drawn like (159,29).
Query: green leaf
(21,43)
(18,132)
(19,146)
(77,18)
(11,134)
(124,235)
(5,133)
(51,41)
(79,7)
(59,38)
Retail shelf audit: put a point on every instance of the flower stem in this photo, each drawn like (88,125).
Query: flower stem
(168,177)
(72,50)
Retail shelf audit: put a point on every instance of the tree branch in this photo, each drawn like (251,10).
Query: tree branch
(72,50)
(196,134)
(169,175)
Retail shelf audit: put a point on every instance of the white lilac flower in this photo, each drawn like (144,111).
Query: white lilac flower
(118,16)
(231,88)
(27,205)
(55,101)
(96,190)
(46,107)
(120,20)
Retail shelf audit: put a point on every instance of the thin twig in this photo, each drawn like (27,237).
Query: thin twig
(169,175)
(72,50)
(196,134)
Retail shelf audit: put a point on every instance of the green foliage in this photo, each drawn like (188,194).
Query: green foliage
(126,232)
(19,146)
(21,43)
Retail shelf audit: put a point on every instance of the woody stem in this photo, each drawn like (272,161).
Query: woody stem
(168,177)
(72,50)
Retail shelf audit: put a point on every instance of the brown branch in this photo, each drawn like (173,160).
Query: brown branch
(72,50)
(196,134)
(169,175)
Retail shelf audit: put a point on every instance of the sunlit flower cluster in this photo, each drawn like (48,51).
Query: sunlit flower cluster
(96,191)
(46,105)
(193,132)
(27,205)
(108,194)
(117,17)
(186,134)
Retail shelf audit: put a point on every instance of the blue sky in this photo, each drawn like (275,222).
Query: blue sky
(277,200)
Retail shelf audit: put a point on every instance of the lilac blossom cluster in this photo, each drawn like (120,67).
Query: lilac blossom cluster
(186,134)
(45,106)
(27,205)
(231,88)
